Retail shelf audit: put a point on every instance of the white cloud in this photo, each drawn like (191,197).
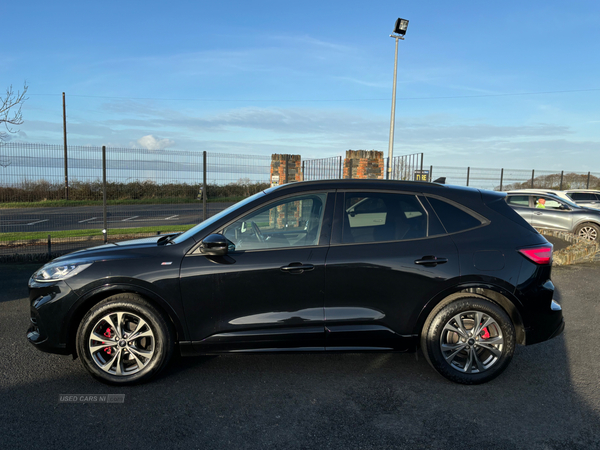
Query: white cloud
(153,143)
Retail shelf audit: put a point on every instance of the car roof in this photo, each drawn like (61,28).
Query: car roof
(355,181)
(554,192)
(467,196)
(533,191)
(421,186)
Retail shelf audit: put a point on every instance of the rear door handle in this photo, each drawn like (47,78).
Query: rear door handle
(297,268)
(431,261)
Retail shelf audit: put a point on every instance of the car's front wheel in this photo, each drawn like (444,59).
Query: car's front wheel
(124,340)
(588,231)
(470,340)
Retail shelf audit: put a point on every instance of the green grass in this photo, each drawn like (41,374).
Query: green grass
(65,234)
(145,201)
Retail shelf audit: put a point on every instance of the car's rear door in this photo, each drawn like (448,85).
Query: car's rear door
(381,273)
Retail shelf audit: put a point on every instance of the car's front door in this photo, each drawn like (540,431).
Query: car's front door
(555,214)
(380,273)
(268,292)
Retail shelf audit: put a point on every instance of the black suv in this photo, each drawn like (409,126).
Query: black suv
(342,265)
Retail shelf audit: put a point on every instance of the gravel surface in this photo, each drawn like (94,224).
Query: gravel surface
(549,397)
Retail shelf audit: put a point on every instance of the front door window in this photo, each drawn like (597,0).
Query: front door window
(292,222)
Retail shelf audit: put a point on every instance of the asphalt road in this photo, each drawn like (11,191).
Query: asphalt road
(118,216)
(549,398)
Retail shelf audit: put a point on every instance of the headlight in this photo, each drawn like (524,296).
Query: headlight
(59,271)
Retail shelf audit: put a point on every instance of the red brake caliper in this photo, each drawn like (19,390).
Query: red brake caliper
(108,350)
(486,333)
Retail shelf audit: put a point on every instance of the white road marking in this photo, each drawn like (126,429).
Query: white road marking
(171,217)
(129,218)
(87,220)
(39,221)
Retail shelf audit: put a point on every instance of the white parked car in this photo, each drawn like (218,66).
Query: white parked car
(561,194)
(590,198)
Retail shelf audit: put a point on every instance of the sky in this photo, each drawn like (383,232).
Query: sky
(510,84)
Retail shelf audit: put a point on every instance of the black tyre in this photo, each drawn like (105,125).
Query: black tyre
(469,341)
(589,231)
(124,340)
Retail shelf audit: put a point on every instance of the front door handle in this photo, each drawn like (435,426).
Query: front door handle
(538,213)
(431,261)
(297,268)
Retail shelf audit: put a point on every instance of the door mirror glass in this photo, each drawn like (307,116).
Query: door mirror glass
(215,245)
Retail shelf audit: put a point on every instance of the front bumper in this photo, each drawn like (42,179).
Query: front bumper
(49,305)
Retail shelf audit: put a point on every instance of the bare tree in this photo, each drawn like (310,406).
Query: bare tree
(10,110)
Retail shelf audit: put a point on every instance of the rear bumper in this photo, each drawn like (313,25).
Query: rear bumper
(546,325)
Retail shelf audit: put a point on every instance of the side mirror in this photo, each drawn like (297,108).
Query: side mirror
(214,245)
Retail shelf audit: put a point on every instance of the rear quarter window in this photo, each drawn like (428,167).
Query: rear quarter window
(452,217)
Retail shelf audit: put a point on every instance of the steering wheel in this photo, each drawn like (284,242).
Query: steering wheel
(257,231)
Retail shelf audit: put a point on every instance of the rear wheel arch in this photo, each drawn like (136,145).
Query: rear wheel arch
(469,340)
(485,293)
(93,298)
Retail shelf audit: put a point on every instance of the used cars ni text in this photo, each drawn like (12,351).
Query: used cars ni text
(341,265)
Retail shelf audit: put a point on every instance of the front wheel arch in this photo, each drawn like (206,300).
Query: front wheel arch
(91,299)
(138,346)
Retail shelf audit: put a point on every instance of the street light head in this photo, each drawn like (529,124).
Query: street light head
(401,26)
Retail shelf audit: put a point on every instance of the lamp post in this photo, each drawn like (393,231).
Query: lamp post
(399,32)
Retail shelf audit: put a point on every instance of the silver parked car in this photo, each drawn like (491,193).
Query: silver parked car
(545,210)
(588,198)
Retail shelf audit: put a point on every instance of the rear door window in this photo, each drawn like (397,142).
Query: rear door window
(380,217)
(518,200)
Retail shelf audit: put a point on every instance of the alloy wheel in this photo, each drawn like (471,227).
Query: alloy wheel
(471,342)
(121,343)
(589,233)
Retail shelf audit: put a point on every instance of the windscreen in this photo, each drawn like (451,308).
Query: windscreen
(208,222)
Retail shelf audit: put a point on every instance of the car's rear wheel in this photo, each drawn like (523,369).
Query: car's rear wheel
(124,340)
(470,340)
(589,231)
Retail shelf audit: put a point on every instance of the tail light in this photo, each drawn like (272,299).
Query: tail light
(539,255)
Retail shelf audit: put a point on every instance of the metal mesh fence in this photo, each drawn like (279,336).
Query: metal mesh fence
(44,211)
(405,167)
(508,179)
(323,169)
(453,175)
